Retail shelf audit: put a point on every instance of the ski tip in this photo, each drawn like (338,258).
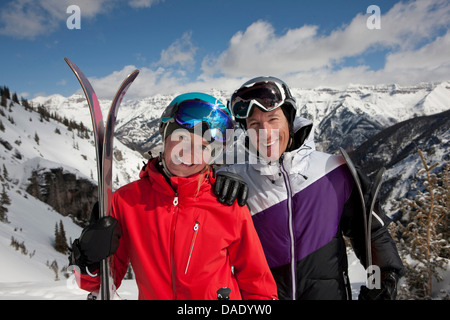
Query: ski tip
(345,155)
(134,74)
(381,172)
(68,61)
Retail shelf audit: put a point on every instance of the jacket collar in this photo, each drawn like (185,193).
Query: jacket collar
(183,186)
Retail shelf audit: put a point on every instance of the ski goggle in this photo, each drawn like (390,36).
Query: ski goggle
(193,112)
(266,95)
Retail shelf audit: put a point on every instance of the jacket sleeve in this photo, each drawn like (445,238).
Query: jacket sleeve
(383,247)
(252,272)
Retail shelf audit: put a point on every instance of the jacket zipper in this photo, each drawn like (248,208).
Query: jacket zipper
(172,257)
(291,228)
(194,237)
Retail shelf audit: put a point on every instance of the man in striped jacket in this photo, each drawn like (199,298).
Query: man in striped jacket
(303,201)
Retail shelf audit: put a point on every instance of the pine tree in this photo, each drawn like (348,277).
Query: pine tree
(4,201)
(60,238)
(57,237)
(3,101)
(5,173)
(5,92)
(424,237)
(36,138)
(62,234)
(15,98)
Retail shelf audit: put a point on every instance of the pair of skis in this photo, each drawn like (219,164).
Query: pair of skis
(103,137)
(367,204)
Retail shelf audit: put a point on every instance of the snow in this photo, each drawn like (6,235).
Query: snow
(31,222)
(56,290)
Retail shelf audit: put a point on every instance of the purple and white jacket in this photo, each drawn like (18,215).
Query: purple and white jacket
(301,206)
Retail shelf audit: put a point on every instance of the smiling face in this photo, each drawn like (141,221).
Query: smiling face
(185,153)
(268,132)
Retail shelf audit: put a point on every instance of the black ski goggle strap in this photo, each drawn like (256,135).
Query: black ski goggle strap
(266,95)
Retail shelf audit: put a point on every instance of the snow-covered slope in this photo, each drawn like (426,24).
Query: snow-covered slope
(29,143)
(30,276)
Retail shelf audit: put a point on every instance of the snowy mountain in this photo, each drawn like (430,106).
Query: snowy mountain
(395,148)
(349,117)
(32,146)
(137,124)
(342,118)
(51,172)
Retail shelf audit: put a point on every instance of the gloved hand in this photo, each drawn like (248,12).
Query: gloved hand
(97,241)
(229,187)
(388,290)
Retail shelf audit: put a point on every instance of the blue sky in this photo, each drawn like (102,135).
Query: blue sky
(196,45)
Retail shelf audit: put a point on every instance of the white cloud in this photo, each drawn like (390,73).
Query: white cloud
(416,36)
(33,18)
(143,3)
(106,87)
(181,52)
(24,19)
(308,57)
(159,80)
(28,19)
(429,63)
(429,57)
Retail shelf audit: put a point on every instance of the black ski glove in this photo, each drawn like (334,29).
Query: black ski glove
(97,241)
(388,290)
(229,187)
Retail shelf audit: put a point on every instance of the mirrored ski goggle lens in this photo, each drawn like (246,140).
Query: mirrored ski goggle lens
(268,96)
(192,112)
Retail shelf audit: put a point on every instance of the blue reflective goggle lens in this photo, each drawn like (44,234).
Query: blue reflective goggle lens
(266,95)
(192,112)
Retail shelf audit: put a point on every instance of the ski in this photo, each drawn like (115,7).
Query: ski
(96,116)
(373,197)
(107,288)
(368,207)
(103,138)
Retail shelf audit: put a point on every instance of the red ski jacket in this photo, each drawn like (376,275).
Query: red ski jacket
(184,244)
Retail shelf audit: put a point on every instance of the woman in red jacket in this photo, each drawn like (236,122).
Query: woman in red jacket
(181,242)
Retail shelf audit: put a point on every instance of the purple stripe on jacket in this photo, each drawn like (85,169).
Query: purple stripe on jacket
(317,211)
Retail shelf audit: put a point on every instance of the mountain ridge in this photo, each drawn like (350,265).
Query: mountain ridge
(372,108)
